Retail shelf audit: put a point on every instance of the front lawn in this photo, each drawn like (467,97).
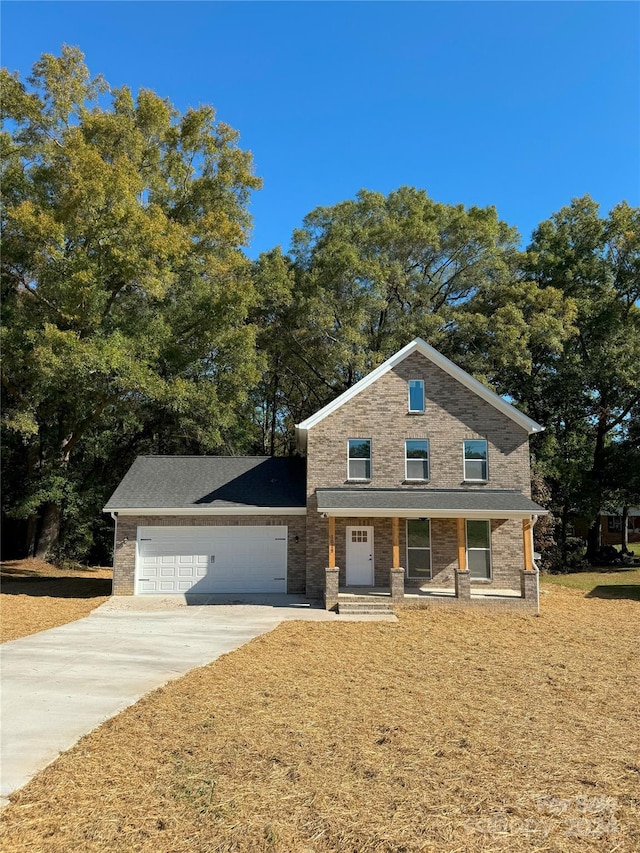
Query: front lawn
(614,582)
(36,596)
(449,731)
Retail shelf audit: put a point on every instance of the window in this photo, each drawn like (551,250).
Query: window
(359,459)
(479,549)
(418,548)
(416,395)
(417,459)
(475,459)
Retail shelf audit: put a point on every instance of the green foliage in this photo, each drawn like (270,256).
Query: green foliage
(125,288)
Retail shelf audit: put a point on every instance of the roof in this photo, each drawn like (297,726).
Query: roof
(201,483)
(438,503)
(420,346)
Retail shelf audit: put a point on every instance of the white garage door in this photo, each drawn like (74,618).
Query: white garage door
(211,560)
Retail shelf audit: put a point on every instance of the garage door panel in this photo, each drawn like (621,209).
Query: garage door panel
(212,560)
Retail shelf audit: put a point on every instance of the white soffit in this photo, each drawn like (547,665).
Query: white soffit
(213,511)
(422,347)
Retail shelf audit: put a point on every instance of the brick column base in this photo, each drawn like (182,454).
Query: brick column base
(396,584)
(463,585)
(529,587)
(331,588)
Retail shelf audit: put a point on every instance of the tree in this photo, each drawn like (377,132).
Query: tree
(586,394)
(126,291)
(363,278)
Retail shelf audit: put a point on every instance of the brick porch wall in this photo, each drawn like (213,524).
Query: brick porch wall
(127,528)
(506,552)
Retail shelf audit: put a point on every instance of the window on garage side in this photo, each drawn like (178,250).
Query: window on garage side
(479,549)
(359,459)
(418,548)
(416,459)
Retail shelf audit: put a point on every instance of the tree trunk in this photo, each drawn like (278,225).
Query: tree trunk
(32,524)
(49,531)
(594,539)
(564,521)
(624,533)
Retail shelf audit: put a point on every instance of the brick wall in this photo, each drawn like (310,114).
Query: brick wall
(127,531)
(452,414)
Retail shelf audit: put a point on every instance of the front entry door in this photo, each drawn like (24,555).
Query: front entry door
(359,556)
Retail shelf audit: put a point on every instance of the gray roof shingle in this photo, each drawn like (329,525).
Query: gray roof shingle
(199,482)
(426,499)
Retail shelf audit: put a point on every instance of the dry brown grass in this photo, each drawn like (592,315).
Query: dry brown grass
(36,596)
(450,731)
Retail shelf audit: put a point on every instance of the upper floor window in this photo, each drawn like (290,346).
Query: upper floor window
(417,459)
(475,459)
(359,459)
(416,395)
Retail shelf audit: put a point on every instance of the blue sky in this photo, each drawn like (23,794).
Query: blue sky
(520,105)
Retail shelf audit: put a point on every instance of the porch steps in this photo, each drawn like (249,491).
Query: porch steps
(354,607)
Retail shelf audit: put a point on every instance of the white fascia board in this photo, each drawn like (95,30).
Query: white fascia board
(441,361)
(235,510)
(362,512)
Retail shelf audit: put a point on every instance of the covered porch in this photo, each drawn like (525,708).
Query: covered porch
(405,547)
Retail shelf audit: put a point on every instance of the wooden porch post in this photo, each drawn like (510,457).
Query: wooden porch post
(395,539)
(332,542)
(462,546)
(526,541)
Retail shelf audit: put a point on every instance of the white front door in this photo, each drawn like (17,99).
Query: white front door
(359,556)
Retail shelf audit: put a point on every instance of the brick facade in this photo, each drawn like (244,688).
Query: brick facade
(379,412)
(127,532)
(452,414)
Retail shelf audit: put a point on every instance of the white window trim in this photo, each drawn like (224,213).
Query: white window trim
(490,549)
(406,460)
(409,409)
(416,548)
(360,479)
(466,479)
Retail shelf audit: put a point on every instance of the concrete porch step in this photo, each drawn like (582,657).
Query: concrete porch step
(351,607)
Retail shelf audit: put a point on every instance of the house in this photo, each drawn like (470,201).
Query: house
(611,527)
(414,480)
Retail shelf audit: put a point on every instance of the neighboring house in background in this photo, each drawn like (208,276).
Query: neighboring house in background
(415,480)
(611,527)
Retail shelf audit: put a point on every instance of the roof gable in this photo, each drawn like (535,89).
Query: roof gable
(457,373)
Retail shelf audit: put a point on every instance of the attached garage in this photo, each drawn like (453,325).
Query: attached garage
(203,560)
(210,524)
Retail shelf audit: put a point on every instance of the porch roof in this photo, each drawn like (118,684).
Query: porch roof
(432,503)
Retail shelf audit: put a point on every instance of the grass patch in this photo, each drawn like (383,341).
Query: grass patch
(37,596)
(615,582)
(449,731)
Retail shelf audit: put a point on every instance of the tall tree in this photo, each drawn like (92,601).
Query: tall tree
(363,278)
(587,393)
(126,291)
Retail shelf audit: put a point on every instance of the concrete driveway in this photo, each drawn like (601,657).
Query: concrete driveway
(62,683)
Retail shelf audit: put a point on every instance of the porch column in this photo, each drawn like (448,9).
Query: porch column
(395,541)
(462,577)
(526,541)
(462,546)
(332,542)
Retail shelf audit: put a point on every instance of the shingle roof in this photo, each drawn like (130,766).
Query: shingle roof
(427,500)
(200,482)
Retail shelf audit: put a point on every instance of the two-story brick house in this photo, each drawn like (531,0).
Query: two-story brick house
(417,478)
